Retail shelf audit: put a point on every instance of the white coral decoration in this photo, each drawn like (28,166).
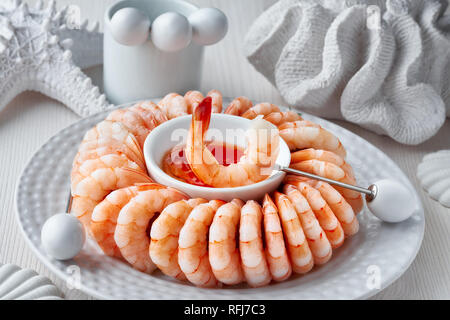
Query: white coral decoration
(384,65)
(25,284)
(35,55)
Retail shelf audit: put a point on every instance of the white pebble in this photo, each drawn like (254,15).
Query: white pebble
(209,26)
(171,32)
(63,236)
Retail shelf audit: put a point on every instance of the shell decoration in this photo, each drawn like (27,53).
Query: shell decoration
(434,175)
(25,284)
(380,64)
(39,52)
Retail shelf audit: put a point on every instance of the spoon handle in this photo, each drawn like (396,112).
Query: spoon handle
(371,192)
(69,203)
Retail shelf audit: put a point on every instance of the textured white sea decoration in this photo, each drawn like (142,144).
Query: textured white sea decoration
(384,65)
(35,54)
(434,175)
(25,284)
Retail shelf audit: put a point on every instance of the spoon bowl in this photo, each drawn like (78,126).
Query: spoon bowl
(224,128)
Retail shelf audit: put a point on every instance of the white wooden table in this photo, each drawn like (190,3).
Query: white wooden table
(30,119)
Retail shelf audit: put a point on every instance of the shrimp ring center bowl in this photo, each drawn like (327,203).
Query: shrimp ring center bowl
(223,128)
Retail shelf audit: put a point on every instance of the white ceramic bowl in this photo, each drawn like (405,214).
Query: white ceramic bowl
(227,128)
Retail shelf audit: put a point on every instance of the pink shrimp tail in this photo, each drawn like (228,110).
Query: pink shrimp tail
(199,126)
(203,113)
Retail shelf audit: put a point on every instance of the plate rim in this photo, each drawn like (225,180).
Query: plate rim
(86,289)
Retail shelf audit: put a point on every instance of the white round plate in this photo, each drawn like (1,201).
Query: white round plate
(365,264)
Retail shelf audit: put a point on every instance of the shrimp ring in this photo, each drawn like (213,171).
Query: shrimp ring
(164,236)
(173,105)
(104,217)
(238,106)
(298,248)
(277,257)
(280,117)
(216,97)
(254,262)
(263,109)
(327,220)
(223,254)
(193,99)
(131,234)
(306,134)
(318,242)
(193,245)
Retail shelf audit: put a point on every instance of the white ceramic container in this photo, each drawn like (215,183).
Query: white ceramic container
(138,72)
(230,129)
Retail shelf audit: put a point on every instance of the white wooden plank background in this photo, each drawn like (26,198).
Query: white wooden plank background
(31,118)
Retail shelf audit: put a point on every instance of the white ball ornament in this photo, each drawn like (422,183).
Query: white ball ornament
(63,236)
(209,26)
(171,32)
(393,201)
(130,26)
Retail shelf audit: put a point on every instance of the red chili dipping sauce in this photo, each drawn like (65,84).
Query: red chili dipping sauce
(175,164)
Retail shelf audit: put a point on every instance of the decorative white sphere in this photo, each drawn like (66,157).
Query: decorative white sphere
(63,236)
(130,26)
(209,26)
(393,201)
(171,32)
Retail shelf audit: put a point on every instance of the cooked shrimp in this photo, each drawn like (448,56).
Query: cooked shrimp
(216,97)
(263,109)
(173,105)
(224,255)
(318,242)
(150,113)
(95,187)
(193,245)
(193,98)
(327,219)
(104,217)
(280,117)
(254,263)
(133,122)
(340,207)
(255,165)
(276,254)
(305,134)
(297,245)
(114,130)
(103,146)
(164,236)
(354,198)
(134,219)
(332,171)
(322,155)
(238,106)
(108,161)
(320,168)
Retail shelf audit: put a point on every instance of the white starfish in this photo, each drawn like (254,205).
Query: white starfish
(35,54)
